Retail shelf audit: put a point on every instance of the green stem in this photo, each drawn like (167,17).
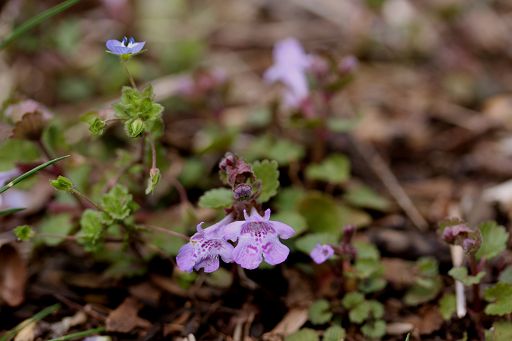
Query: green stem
(80,195)
(79,335)
(37,317)
(132,80)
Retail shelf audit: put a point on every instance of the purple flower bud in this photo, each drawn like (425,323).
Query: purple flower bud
(321,253)
(127,46)
(451,233)
(242,192)
(258,239)
(234,169)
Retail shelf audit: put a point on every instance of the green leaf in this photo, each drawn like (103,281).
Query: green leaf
(372,284)
(424,290)
(288,198)
(30,173)
(494,240)
(374,329)
(154,177)
(367,267)
(23,232)
(319,312)
(506,275)
(92,229)
(266,171)
(309,241)
(352,299)
(321,212)
(14,151)
(285,151)
(376,309)
(216,198)
(342,125)
(8,211)
(359,313)
(118,203)
(500,295)
(427,267)
(134,127)
(137,109)
(447,306)
(335,169)
(366,250)
(221,278)
(334,333)
(461,274)
(501,331)
(293,219)
(62,183)
(304,334)
(362,196)
(56,228)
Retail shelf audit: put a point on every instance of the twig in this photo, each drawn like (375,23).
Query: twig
(164,230)
(382,170)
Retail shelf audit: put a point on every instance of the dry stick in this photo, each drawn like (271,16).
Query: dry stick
(381,169)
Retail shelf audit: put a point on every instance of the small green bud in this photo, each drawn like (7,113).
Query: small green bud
(135,128)
(62,184)
(97,126)
(23,232)
(154,177)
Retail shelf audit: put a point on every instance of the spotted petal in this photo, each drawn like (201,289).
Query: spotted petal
(275,252)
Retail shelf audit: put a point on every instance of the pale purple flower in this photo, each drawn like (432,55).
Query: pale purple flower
(258,239)
(321,253)
(205,247)
(290,66)
(126,46)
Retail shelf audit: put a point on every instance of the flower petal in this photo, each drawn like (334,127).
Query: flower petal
(116,47)
(283,230)
(137,47)
(185,258)
(232,231)
(275,252)
(209,264)
(247,255)
(226,252)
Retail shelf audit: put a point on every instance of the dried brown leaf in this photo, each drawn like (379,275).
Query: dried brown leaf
(125,318)
(13,275)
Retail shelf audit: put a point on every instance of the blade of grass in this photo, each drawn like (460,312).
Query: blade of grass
(30,173)
(37,317)
(36,20)
(79,335)
(10,211)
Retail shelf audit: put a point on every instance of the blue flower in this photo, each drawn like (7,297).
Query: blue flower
(127,46)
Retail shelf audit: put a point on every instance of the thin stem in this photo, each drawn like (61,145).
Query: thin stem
(153,152)
(477,300)
(132,80)
(80,195)
(79,335)
(164,230)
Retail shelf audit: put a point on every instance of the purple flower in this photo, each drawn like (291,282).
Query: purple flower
(12,197)
(205,247)
(290,65)
(127,46)
(321,253)
(258,237)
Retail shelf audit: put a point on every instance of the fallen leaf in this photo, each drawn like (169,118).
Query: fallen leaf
(125,318)
(13,275)
(427,320)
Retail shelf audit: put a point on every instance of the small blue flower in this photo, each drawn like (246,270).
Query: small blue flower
(127,46)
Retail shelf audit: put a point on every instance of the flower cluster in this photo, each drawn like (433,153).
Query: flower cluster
(257,236)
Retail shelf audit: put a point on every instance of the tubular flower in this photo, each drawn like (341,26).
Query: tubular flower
(321,253)
(290,65)
(127,46)
(205,247)
(258,239)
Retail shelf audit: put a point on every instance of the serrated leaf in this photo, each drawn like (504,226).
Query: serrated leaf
(118,203)
(334,333)
(288,198)
(304,334)
(267,172)
(293,219)
(501,297)
(319,312)
(461,274)
(447,306)
(363,196)
(309,241)
(374,329)
(216,198)
(92,229)
(321,212)
(494,240)
(335,169)
(54,229)
(423,291)
(359,313)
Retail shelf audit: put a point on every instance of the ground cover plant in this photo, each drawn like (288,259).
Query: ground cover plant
(255,170)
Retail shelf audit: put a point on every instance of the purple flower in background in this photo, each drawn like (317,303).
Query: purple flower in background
(127,46)
(12,198)
(321,253)
(258,238)
(205,247)
(290,65)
